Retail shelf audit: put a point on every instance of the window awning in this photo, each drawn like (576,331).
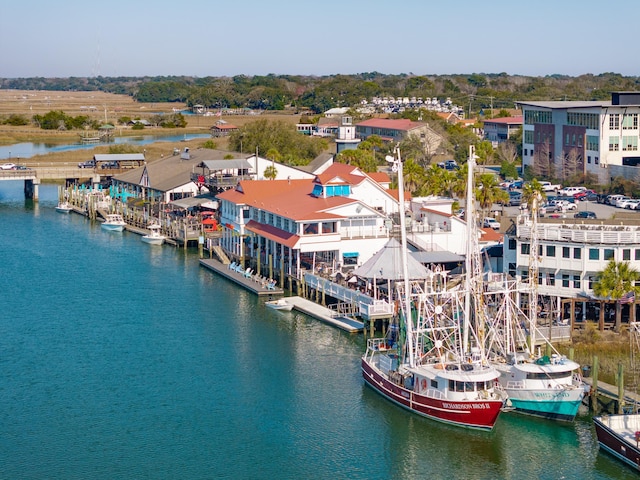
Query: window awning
(272,233)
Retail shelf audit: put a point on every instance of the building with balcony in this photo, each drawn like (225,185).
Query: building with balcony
(395,130)
(570,255)
(295,225)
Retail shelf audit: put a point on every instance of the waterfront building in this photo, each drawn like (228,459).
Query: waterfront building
(562,138)
(570,256)
(338,218)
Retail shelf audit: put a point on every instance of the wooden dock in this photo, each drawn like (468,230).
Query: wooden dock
(326,315)
(248,283)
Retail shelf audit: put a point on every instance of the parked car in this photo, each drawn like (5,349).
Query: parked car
(612,199)
(629,203)
(571,191)
(516,185)
(489,222)
(515,199)
(589,195)
(564,205)
(585,214)
(550,187)
(8,166)
(621,201)
(88,164)
(109,165)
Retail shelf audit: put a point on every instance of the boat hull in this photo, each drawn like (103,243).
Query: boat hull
(63,209)
(112,228)
(564,409)
(619,442)
(153,240)
(280,305)
(470,414)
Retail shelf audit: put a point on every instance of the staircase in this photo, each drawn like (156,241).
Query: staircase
(217,249)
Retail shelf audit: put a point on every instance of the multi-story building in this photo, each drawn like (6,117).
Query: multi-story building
(498,130)
(337,218)
(570,255)
(395,130)
(561,138)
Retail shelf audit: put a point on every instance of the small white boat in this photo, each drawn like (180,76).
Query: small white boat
(154,237)
(114,223)
(64,207)
(279,304)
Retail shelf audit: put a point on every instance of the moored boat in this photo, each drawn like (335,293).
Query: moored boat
(154,237)
(431,361)
(64,207)
(619,435)
(114,222)
(547,386)
(279,304)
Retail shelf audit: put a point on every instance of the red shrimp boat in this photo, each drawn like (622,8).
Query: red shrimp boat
(432,362)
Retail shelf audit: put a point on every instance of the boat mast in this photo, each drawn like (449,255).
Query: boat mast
(472,246)
(534,259)
(396,160)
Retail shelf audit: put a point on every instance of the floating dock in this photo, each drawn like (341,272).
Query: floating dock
(325,314)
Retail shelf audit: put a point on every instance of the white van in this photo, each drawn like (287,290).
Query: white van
(491,223)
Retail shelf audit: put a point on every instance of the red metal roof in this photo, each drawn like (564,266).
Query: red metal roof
(505,120)
(390,123)
(287,239)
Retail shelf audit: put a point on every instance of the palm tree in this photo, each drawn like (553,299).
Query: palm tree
(533,191)
(489,192)
(270,172)
(413,175)
(614,282)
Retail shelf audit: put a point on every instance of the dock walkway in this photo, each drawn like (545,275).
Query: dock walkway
(247,283)
(325,314)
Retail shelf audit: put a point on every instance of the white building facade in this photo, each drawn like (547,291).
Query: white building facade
(561,138)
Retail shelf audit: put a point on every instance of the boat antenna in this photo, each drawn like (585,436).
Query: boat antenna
(396,161)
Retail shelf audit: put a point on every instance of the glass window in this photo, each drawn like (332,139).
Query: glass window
(614,143)
(551,278)
(614,121)
(565,280)
(592,279)
(525,248)
(630,143)
(608,253)
(576,281)
(434,383)
(566,251)
(594,254)
(551,251)
(577,253)
(626,254)
(637,254)
(512,244)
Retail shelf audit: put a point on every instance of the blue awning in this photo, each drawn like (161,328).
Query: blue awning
(351,255)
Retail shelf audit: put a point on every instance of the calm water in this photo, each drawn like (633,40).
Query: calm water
(30,149)
(120,360)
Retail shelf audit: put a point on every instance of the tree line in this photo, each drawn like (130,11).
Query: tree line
(475,91)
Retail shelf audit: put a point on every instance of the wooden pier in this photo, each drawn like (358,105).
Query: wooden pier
(248,283)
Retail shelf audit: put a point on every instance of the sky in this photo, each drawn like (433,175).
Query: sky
(200,38)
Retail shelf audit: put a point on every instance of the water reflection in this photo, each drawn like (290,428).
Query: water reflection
(30,149)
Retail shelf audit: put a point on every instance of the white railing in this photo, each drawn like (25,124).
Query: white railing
(589,234)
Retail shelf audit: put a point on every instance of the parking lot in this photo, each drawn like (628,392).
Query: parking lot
(602,211)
